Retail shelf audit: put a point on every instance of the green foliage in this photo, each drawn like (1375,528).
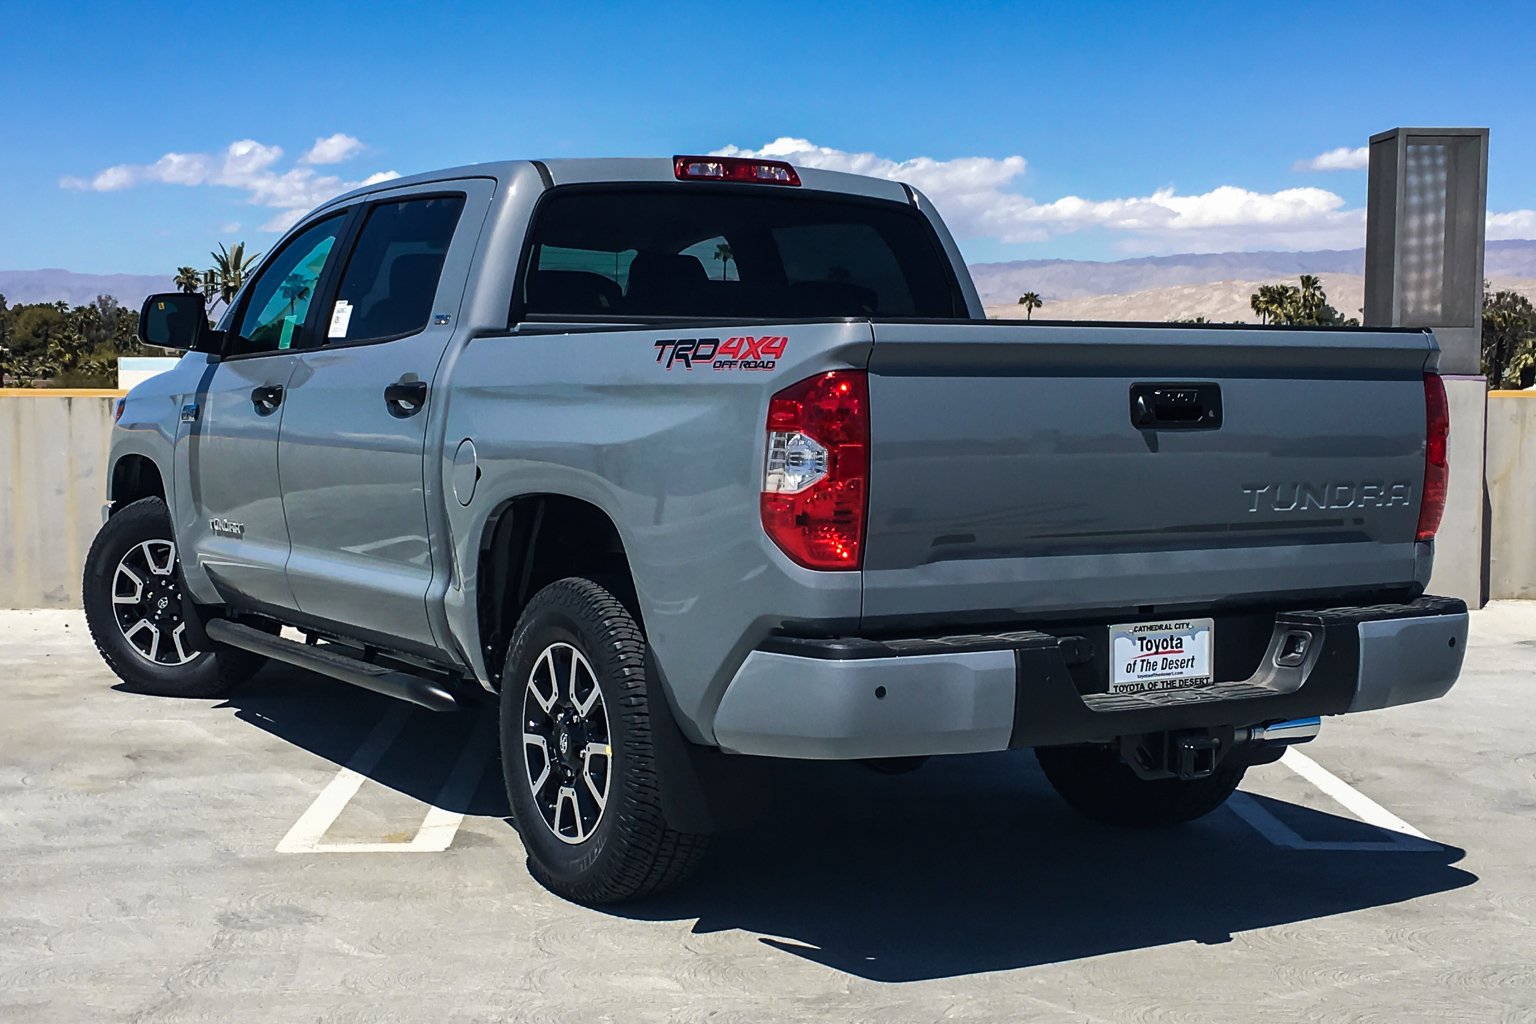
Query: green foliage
(1031,301)
(224,278)
(1509,339)
(51,344)
(1303,306)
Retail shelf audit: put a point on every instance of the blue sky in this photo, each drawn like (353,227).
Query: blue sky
(1142,128)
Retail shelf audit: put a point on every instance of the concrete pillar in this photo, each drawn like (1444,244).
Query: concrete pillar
(1425,218)
(1511,474)
(1459,561)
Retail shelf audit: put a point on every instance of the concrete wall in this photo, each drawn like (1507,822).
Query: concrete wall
(53,454)
(1511,469)
(53,449)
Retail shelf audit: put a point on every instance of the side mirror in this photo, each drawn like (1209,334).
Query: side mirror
(176,320)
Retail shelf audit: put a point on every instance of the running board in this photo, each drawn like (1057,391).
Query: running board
(390,682)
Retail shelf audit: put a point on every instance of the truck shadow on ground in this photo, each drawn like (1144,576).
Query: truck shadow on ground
(968,865)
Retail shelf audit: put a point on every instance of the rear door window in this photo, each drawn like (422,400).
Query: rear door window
(715,251)
(391,279)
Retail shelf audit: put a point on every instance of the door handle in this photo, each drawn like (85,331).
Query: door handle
(406,397)
(1176,406)
(267,398)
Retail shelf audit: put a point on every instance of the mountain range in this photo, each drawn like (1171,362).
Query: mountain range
(1074,279)
(1053,280)
(52,285)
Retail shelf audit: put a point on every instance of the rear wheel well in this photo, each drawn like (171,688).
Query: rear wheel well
(135,477)
(531,542)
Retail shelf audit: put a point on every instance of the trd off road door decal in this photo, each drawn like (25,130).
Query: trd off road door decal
(743,353)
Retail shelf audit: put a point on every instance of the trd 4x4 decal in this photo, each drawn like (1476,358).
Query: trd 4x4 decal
(745,353)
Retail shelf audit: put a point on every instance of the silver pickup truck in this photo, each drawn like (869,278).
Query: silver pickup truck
(688,459)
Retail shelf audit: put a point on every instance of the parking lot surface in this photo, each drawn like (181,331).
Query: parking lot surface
(307,851)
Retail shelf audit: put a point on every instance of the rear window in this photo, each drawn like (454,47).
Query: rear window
(693,252)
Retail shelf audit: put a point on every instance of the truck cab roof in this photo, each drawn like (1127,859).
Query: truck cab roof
(650,170)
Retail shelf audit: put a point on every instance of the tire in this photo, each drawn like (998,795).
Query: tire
(1098,785)
(145,641)
(594,832)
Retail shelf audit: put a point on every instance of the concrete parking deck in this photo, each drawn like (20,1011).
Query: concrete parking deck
(306,851)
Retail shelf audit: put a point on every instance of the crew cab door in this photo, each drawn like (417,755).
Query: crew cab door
(357,413)
(229,507)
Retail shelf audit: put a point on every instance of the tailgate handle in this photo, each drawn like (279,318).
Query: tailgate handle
(1176,406)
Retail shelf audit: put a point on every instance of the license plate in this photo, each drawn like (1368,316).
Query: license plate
(1150,656)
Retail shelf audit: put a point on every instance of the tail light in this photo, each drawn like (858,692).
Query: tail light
(816,475)
(1437,429)
(734,168)
(117,410)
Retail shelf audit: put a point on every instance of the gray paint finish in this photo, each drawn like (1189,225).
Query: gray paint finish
(1006,479)
(354,490)
(226,469)
(674,460)
(783,706)
(1403,661)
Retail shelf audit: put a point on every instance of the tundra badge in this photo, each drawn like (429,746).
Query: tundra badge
(227,528)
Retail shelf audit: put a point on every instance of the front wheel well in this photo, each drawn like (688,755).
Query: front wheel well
(529,543)
(134,477)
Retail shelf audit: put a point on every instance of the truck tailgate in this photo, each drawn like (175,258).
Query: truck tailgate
(1007,476)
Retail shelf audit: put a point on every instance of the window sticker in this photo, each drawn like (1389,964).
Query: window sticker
(341,319)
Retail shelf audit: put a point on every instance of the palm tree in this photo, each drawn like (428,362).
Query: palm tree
(188,279)
(724,255)
(1272,301)
(1031,301)
(1312,296)
(1260,305)
(228,273)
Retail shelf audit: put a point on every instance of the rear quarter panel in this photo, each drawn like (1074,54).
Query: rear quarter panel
(674,456)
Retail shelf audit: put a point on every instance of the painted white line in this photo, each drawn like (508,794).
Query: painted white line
(1401,837)
(440,826)
(322,814)
(437,829)
(1346,796)
(1281,834)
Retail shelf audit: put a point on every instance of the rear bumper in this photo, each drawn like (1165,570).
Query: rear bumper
(845,699)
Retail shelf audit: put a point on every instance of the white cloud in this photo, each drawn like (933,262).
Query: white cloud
(245,165)
(1514,224)
(229,227)
(977,198)
(333,149)
(1341,159)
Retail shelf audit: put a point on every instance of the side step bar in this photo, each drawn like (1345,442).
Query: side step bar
(390,682)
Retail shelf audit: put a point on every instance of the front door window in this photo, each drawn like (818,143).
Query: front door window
(274,314)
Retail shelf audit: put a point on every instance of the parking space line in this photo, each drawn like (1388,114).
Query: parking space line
(1346,796)
(437,829)
(1402,837)
(322,814)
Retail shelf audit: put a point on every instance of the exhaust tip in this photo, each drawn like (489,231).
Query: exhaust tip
(1297,730)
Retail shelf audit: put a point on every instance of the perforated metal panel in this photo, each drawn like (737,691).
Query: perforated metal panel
(1424,235)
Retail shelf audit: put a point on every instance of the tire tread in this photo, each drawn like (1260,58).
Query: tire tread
(212,676)
(650,857)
